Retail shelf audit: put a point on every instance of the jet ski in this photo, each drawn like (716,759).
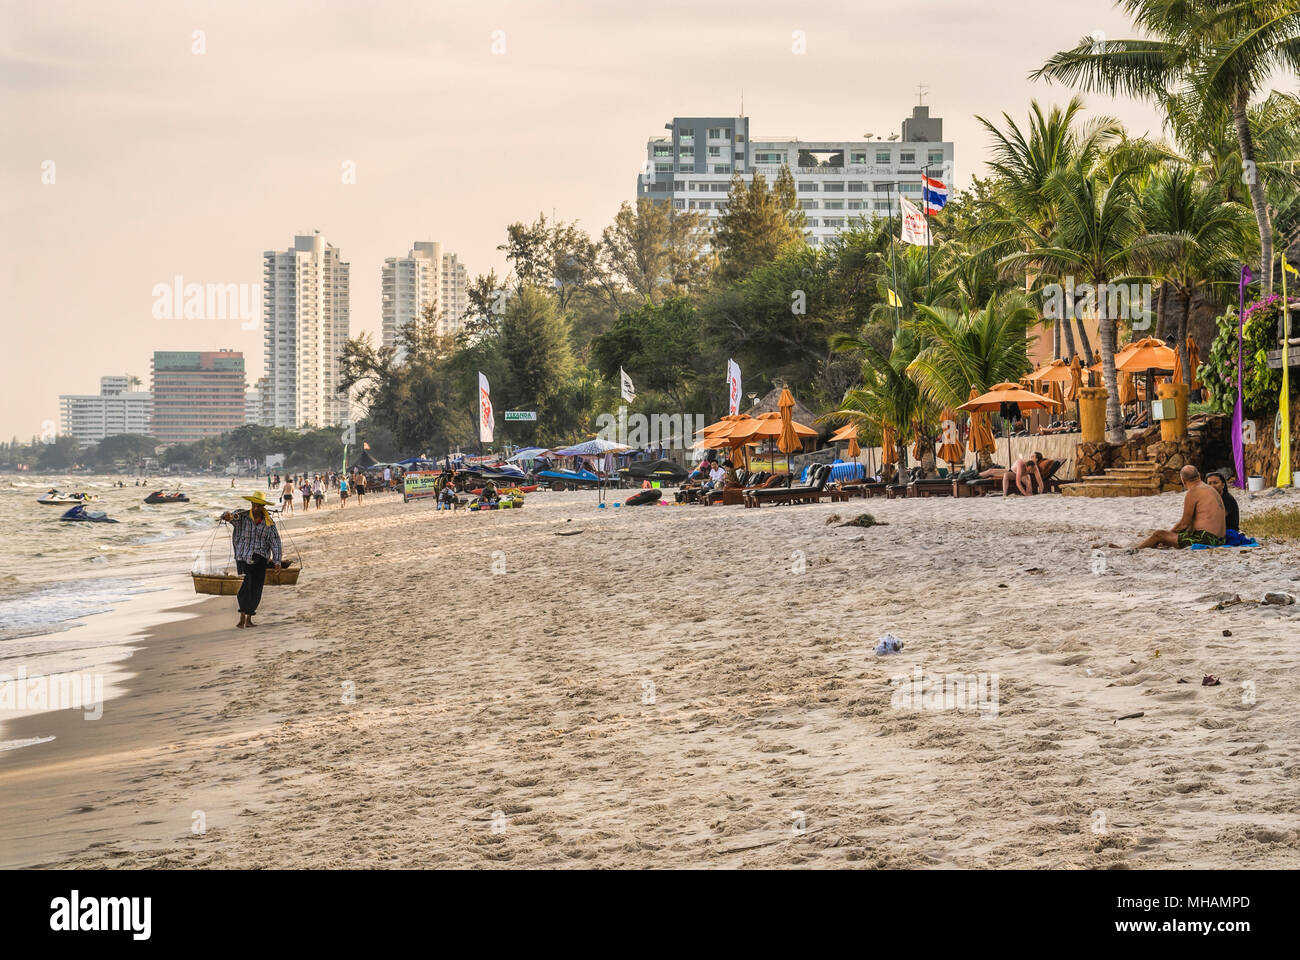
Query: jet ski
(568,479)
(56,499)
(159,497)
(79,512)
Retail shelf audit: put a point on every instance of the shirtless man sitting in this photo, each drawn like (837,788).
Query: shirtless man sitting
(1203,521)
(1025,473)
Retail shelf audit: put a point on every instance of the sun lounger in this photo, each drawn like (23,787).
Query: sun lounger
(932,487)
(812,491)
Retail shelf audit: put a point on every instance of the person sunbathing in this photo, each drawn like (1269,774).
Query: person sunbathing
(1204,520)
(1025,473)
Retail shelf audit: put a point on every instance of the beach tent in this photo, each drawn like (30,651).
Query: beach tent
(526,453)
(596,447)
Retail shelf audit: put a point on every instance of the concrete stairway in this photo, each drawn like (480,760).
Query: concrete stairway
(1138,478)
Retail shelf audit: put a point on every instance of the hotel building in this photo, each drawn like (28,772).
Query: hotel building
(305,308)
(838,181)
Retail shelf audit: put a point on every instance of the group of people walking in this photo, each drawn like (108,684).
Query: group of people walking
(308,489)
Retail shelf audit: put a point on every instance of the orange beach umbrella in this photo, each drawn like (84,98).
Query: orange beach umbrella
(980,436)
(1147,354)
(1008,393)
(951,449)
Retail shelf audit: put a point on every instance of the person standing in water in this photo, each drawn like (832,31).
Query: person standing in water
(257,546)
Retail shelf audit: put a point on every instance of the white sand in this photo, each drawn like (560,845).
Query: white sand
(502,719)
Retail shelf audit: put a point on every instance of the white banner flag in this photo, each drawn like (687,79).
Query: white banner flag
(484,410)
(733,387)
(625,384)
(915,229)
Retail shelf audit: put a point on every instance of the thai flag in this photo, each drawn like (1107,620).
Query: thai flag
(934,192)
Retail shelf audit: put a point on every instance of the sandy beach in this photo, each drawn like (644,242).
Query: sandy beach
(697,687)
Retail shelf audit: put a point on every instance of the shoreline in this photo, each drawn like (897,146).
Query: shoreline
(668,689)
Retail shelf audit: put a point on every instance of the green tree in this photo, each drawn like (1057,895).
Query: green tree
(757,224)
(535,354)
(659,345)
(964,351)
(655,252)
(1215,53)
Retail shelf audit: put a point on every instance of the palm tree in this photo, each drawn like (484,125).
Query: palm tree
(1193,237)
(887,396)
(1215,52)
(1096,228)
(973,349)
(1024,162)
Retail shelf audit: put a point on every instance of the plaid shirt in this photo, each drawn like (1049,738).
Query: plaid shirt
(251,538)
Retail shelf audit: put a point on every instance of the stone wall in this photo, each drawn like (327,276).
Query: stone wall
(1206,445)
(1262,457)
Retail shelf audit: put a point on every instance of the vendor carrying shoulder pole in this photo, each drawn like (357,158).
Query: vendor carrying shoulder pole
(257,543)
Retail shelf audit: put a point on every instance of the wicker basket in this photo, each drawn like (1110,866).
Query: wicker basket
(282,578)
(220,586)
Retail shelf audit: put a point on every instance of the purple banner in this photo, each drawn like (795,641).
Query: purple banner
(1239,454)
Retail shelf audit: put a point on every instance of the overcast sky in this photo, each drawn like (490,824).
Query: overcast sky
(168,162)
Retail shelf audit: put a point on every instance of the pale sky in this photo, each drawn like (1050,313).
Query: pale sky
(169,162)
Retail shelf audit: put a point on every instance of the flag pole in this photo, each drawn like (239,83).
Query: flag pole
(893,267)
(929,240)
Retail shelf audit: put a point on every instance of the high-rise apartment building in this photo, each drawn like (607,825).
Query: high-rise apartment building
(426,275)
(838,181)
(306,314)
(196,394)
(115,410)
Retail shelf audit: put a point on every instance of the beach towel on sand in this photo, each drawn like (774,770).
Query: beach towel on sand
(1232,538)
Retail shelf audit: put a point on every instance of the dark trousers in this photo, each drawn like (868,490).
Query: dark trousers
(250,591)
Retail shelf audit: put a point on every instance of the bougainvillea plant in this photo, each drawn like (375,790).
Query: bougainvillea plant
(1260,385)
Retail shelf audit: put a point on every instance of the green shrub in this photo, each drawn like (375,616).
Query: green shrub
(1260,385)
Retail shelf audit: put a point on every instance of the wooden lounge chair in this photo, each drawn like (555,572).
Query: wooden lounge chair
(932,487)
(812,491)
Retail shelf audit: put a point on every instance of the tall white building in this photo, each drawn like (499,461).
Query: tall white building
(306,317)
(426,275)
(115,410)
(838,181)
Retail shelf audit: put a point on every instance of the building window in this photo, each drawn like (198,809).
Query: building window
(857,186)
(859,157)
(687,153)
(679,184)
(833,222)
(909,188)
(808,186)
(881,204)
(882,156)
(809,204)
(663,168)
(664,150)
(719,133)
(935,156)
(719,187)
(832,186)
(722,168)
(907,156)
(768,157)
(834,204)
(813,223)
(855,204)
(686,134)
(715,153)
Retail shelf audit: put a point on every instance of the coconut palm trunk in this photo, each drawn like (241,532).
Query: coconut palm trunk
(1085,345)
(1184,321)
(1108,334)
(1056,339)
(1068,331)
(1256,187)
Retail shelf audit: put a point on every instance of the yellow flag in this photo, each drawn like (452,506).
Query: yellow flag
(893,298)
(1284,404)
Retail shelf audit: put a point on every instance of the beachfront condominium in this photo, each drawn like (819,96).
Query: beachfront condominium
(837,181)
(305,313)
(425,276)
(196,394)
(115,410)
